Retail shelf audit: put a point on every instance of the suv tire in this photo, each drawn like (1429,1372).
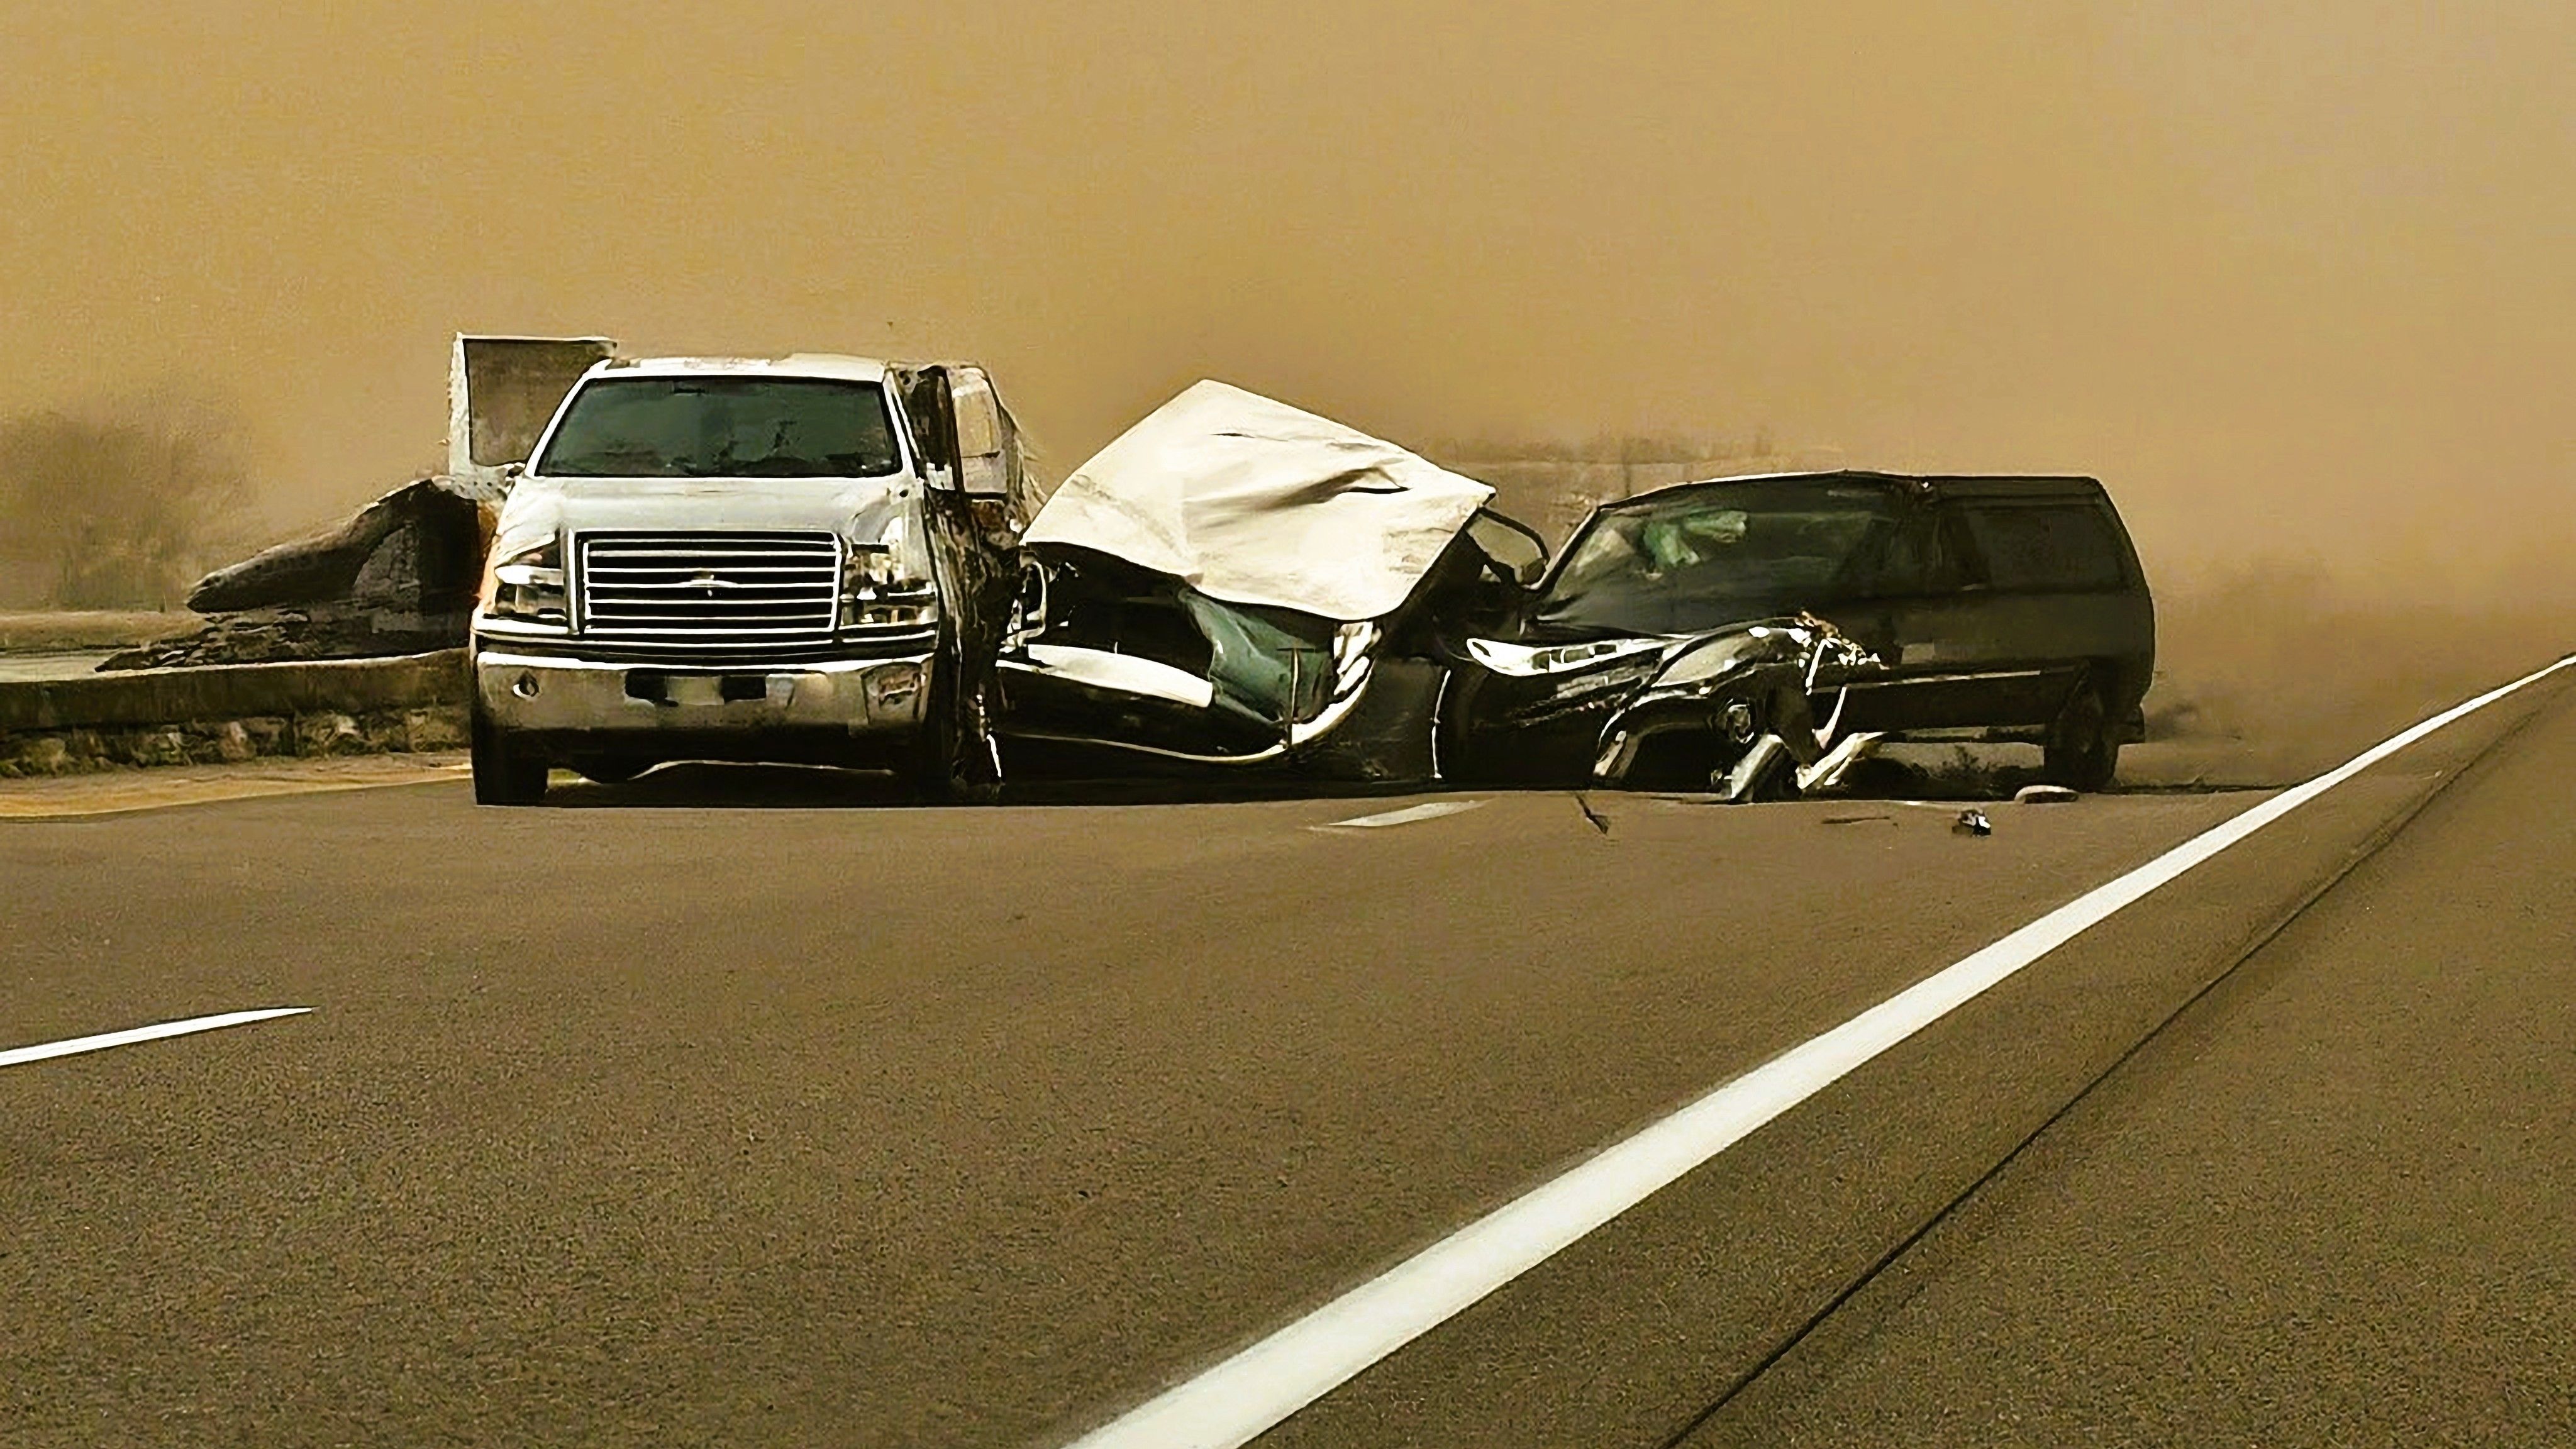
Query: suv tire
(2079,752)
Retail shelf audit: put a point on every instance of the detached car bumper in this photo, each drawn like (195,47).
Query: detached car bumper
(552,695)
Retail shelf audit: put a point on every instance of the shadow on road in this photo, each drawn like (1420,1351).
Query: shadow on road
(1946,774)
(822,787)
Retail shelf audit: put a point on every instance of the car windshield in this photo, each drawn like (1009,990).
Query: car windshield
(1714,555)
(724,427)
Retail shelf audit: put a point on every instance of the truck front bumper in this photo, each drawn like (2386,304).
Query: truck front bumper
(551,695)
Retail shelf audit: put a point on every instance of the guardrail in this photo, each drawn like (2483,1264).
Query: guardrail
(130,699)
(231,712)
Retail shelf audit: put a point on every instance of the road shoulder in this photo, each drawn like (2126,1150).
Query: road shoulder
(2332,1204)
(124,791)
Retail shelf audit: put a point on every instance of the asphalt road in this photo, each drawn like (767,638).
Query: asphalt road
(2335,1204)
(740,1109)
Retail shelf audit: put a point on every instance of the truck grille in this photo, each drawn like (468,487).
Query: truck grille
(709,588)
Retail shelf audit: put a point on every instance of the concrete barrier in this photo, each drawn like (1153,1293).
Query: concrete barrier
(137,698)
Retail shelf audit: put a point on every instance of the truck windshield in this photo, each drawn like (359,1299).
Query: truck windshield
(723,427)
(1712,556)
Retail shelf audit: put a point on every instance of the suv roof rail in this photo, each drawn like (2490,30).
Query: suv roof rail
(1970,484)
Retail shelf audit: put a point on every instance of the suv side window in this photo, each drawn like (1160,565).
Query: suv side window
(1925,558)
(2037,547)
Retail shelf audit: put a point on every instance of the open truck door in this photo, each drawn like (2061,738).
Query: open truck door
(501,393)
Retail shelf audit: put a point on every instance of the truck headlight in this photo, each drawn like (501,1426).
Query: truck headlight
(527,585)
(874,595)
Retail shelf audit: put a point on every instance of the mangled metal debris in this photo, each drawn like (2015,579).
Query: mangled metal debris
(1234,581)
(397,579)
(1739,703)
(501,393)
(400,576)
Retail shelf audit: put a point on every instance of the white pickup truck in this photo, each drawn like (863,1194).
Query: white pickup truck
(798,559)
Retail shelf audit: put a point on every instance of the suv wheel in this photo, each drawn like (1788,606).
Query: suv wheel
(505,773)
(2079,752)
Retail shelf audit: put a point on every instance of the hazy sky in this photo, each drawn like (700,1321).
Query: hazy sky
(2291,277)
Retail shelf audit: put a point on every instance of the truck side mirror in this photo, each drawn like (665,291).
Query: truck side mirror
(983,434)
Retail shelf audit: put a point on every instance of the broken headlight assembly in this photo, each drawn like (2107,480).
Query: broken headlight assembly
(1522,661)
(875,595)
(1806,643)
(525,584)
(1711,661)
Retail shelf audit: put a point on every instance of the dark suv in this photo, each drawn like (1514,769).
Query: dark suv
(1683,627)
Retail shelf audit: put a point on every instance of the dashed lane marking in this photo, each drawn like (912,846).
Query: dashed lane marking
(1245,1396)
(19,1056)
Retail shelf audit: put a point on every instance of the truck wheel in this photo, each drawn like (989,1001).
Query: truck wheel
(504,773)
(954,760)
(2079,752)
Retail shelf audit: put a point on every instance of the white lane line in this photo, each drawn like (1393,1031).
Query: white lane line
(1246,1395)
(16,1056)
(1405,816)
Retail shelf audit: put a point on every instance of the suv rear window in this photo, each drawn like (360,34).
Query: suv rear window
(2044,545)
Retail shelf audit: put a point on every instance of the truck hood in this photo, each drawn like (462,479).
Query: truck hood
(862,510)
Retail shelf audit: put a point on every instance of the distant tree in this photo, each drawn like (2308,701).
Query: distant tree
(122,508)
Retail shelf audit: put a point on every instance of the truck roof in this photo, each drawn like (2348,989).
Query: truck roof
(800,364)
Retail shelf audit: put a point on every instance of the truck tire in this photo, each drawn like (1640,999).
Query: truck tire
(954,760)
(504,773)
(2080,752)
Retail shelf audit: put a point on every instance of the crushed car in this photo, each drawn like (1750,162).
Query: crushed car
(1235,583)
(1755,635)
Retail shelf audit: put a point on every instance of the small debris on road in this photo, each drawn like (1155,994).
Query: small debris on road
(1972,822)
(2044,795)
(1857,819)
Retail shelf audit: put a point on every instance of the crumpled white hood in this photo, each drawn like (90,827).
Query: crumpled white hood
(1255,502)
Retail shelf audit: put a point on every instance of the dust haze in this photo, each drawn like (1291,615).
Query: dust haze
(122,505)
(2292,279)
